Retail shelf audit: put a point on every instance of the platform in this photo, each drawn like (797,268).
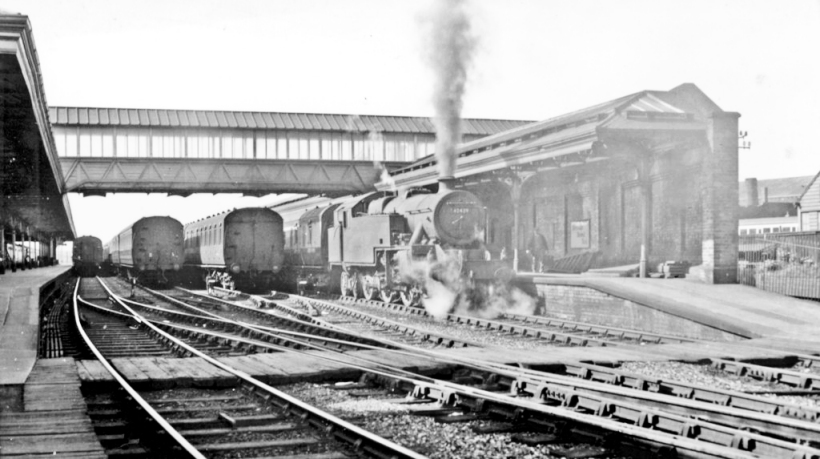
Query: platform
(19,326)
(746,311)
(54,421)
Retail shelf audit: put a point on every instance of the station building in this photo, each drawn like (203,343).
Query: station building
(649,177)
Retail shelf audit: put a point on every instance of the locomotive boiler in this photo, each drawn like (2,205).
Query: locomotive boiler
(379,245)
(87,255)
(247,244)
(149,249)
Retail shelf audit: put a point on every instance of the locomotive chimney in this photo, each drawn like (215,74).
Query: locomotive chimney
(446,184)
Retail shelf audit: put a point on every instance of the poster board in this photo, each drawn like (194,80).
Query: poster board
(579,234)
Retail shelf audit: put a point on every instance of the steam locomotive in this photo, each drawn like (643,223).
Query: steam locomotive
(379,245)
(149,249)
(247,244)
(87,255)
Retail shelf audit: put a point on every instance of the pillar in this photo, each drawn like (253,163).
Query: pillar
(646,213)
(515,198)
(13,254)
(720,201)
(3,255)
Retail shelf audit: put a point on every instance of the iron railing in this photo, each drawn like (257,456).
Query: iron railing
(785,263)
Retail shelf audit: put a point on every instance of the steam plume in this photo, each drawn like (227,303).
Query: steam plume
(451,51)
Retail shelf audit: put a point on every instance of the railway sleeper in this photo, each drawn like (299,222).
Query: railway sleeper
(646,418)
(705,394)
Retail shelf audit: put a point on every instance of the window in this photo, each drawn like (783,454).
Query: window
(743,232)
(767,230)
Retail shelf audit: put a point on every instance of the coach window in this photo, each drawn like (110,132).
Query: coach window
(743,232)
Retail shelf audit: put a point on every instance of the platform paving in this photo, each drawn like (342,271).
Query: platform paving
(19,327)
(54,421)
(734,308)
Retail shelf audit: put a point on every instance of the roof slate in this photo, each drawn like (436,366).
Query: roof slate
(88,116)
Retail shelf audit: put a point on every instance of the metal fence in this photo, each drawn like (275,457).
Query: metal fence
(785,263)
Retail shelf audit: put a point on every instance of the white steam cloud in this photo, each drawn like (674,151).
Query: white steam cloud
(446,291)
(451,49)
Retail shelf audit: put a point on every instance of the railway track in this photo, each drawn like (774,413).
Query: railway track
(298,312)
(259,420)
(588,410)
(533,328)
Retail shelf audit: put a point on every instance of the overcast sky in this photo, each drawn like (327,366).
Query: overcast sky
(536,59)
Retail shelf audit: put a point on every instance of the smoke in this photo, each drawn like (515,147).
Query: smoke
(450,54)
(385,177)
(446,291)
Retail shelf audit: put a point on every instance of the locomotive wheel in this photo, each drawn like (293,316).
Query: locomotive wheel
(370,293)
(387,295)
(410,297)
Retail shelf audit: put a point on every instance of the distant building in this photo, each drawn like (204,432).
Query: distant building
(770,206)
(809,206)
(789,189)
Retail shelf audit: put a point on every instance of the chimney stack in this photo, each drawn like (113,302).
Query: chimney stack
(751,192)
(765,195)
(446,184)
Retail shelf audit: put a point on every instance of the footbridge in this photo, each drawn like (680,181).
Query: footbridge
(180,152)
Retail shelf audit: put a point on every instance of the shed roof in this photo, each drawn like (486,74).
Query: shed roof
(90,116)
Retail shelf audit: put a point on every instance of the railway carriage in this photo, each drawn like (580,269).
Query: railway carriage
(245,243)
(87,255)
(149,249)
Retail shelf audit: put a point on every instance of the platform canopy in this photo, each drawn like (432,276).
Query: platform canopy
(658,120)
(33,199)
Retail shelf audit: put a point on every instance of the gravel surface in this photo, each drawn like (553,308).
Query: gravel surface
(705,375)
(421,434)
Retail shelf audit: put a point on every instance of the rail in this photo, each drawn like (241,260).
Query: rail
(340,428)
(149,410)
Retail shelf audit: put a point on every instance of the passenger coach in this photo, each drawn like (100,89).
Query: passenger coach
(87,255)
(150,249)
(247,244)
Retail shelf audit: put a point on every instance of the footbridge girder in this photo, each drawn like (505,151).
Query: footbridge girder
(184,176)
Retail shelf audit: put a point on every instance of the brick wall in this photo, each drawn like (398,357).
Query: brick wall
(720,238)
(585,304)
